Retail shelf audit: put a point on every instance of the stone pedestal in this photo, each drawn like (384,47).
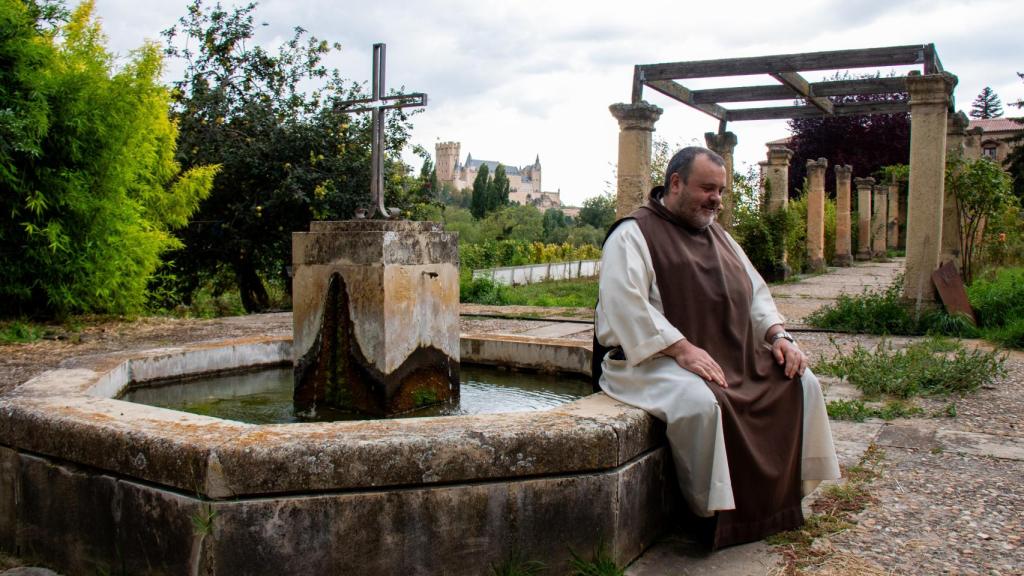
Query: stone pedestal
(879,221)
(864,217)
(844,247)
(816,214)
(636,125)
(929,104)
(892,236)
(956,139)
(724,145)
(376,315)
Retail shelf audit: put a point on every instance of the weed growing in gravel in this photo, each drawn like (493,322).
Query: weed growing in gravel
(923,368)
(858,411)
(834,510)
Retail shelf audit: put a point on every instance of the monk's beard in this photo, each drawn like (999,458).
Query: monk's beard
(702,217)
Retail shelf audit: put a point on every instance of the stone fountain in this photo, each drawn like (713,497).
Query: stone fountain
(91,483)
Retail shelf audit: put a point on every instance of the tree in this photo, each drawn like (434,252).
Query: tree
(499,188)
(864,142)
(986,105)
(556,226)
(289,153)
(91,188)
(481,192)
(598,211)
(982,190)
(513,222)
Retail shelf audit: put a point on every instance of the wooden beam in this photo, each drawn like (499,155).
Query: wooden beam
(773,92)
(743,94)
(828,60)
(861,86)
(682,94)
(803,87)
(786,112)
(638,85)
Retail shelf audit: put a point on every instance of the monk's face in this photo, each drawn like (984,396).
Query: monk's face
(697,200)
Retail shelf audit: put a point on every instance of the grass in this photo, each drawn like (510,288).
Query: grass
(577,293)
(602,564)
(19,332)
(930,367)
(858,411)
(834,510)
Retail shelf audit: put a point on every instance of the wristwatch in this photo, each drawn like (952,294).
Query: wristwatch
(783,335)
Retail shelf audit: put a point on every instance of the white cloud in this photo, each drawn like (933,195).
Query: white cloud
(513,80)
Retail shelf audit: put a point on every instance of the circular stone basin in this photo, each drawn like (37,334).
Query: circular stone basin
(265,396)
(95,484)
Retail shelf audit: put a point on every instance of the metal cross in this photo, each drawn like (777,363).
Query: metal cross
(378,103)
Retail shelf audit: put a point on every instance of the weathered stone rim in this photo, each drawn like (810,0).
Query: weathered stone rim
(72,415)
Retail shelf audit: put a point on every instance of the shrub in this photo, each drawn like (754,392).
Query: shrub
(998,300)
(919,369)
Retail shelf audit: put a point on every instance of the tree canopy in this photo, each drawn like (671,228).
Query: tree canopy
(289,153)
(866,143)
(91,186)
(986,105)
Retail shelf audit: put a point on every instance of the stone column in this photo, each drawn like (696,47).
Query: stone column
(864,217)
(879,221)
(776,177)
(893,228)
(636,125)
(816,214)
(724,144)
(929,104)
(956,136)
(844,254)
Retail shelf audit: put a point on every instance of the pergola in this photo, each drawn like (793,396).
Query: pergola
(930,102)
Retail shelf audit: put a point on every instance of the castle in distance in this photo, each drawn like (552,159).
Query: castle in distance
(523,182)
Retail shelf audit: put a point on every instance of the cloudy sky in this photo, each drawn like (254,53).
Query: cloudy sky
(513,80)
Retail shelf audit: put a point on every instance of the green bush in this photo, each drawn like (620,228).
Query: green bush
(923,368)
(999,299)
(871,312)
(91,187)
(482,291)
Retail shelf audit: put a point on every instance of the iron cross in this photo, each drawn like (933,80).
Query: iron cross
(378,104)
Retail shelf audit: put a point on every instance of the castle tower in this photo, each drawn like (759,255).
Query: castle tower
(446,157)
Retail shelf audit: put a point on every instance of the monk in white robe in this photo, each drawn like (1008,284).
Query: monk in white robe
(702,347)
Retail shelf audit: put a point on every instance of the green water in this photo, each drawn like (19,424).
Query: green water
(265,397)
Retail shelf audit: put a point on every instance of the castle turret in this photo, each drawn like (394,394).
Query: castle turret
(447,156)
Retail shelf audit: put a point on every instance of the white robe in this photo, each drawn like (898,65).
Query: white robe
(630,314)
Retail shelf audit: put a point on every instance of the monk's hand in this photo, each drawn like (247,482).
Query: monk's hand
(790,356)
(696,360)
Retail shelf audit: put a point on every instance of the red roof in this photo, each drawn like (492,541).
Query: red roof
(997,124)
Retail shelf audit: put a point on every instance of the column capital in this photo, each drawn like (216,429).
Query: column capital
(864,182)
(722,144)
(931,88)
(779,155)
(639,116)
(843,171)
(819,164)
(880,189)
